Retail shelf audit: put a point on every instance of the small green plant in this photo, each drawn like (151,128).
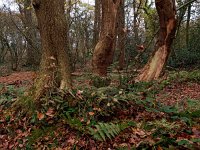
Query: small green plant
(193,76)
(74,122)
(108,130)
(104,130)
(9,93)
(164,124)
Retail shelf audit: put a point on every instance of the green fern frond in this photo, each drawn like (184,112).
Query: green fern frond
(100,132)
(105,130)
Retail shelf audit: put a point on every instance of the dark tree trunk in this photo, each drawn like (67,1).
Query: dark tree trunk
(103,52)
(188,25)
(121,35)
(167,20)
(135,25)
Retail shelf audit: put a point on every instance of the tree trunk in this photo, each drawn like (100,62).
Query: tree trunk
(121,35)
(135,25)
(103,52)
(188,26)
(167,20)
(33,52)
(55,68)
(97,19)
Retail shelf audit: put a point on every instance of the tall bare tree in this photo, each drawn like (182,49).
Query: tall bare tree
(167,20)
(121,35)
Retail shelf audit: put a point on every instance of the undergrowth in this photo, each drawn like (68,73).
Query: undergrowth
(105,114)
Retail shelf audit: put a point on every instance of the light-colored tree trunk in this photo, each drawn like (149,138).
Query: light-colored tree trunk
(103,52)
(55,68)
(167,20)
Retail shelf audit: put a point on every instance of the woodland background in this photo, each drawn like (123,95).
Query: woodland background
(104,74)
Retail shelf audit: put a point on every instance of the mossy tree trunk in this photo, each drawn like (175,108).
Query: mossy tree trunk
(103,52)
(55,68)
(167,20)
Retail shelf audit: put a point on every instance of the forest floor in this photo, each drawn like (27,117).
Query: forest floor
(158,115)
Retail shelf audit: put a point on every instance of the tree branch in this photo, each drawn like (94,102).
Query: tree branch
(186,4)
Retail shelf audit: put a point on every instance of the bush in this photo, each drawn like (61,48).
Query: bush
(184,58)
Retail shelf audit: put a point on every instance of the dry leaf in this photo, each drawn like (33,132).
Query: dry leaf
(82,119)
(132,141)
(20,145)
(79,92)
(40,116)
(50,112)
(123,145)
(139,132)
(196,132)
(52,58)
(88,122)
(71,141)
(91,113)
(159,148)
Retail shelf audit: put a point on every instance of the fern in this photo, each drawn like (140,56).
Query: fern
(106,130)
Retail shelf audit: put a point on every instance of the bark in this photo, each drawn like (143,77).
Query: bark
(103,52)
(167,20)
(97,19)
(55,68)
(135,24)
(121,35)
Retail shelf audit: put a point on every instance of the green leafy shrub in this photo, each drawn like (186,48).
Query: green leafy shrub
(184,58)
(193,76)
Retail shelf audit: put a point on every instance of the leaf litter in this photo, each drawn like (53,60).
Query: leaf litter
(15,132)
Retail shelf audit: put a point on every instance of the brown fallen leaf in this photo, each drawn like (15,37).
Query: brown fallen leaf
(91,113)
(196,132)
(139,132)
(159,148)
(50,112)
(71,141)
(40,116)
(132,141)
(88,122)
